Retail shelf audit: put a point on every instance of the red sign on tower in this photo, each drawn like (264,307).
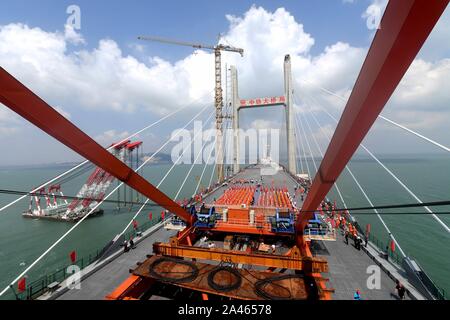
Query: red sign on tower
(259,102)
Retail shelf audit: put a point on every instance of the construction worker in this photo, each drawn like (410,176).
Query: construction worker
(132,245)
(358,242)
(125,246)
(400,290)
(346,237)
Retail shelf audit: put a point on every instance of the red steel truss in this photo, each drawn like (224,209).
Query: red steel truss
(404,28)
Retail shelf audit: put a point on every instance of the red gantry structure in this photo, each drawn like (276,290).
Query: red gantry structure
(90,194)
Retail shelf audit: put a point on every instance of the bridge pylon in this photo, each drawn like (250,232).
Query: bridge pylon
(292,165)
(235,105)
(286,101)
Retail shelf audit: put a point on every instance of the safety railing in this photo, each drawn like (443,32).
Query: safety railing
(242,222)
(174,223)
(320,234)
(398,259)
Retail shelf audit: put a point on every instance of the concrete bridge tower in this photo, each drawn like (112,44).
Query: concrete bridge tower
(292,165)
(286,101)
(235,105)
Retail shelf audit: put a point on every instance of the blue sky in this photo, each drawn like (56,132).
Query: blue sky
(197,20)
(102,72)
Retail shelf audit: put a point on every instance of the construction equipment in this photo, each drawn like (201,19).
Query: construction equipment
(91,193)
(218,90)
(283,223)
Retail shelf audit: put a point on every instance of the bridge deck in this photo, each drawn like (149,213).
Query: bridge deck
(348,271)
(104,281)
(347,266)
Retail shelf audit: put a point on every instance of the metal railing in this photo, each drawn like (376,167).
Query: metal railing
(398,259)
(384,247)
(394,256)
(320,234)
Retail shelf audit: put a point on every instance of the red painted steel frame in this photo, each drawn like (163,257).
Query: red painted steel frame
(21,100)
(405,26)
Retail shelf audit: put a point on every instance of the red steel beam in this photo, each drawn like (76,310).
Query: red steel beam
(23,101)
(405,26)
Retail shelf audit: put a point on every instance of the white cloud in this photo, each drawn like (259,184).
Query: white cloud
(72,36)
(102,78)
(425,87)
(7,131)
(266,38)
(60,68)
(111,136)
(264,124)
(437,45)
(64,113)
(375,8)
(9,123)
(336,68)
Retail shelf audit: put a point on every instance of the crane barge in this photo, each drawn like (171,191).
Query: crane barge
(91,193)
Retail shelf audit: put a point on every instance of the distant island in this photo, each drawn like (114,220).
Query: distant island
(161,158)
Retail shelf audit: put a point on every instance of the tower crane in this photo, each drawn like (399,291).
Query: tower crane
(218,90)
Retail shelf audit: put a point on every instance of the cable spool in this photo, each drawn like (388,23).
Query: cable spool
(192,275)
(224,288)
(262,292)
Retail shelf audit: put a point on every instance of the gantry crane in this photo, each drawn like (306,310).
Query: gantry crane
(218,90)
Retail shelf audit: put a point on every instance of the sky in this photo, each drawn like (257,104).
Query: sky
(110,84)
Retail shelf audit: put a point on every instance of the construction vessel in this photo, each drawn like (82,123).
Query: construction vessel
(266,232)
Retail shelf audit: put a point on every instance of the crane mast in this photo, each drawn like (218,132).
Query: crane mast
(218,99)
(219,115)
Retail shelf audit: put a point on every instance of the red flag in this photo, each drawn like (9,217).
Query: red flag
(135,224)
(22,285)
(150,216)
(73,256)
(392,246)
(162,215)
(367,229)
